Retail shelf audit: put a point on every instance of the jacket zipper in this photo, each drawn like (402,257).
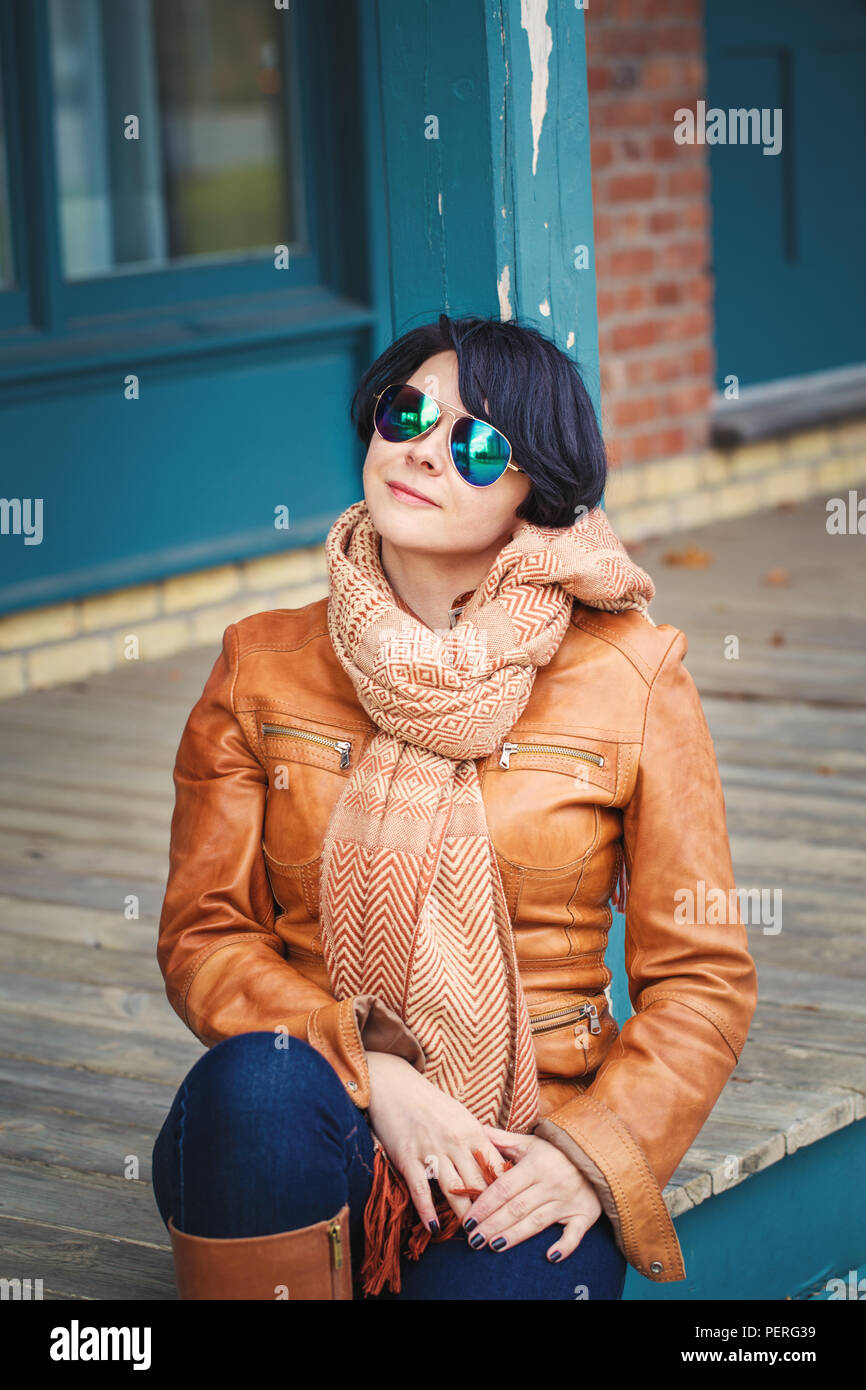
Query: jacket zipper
(342,745)
(335,1241)
(584,753)
(565,1016)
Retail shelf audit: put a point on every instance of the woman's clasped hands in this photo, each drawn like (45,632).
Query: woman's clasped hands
(428,1134)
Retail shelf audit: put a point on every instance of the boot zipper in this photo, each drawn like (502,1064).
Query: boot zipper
(341,745)
(509,748)
(335,1242)
(565,1016)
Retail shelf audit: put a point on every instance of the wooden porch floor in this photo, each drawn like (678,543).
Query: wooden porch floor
(91,1053)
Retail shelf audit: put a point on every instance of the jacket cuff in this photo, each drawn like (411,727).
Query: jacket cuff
(345,1030)
(604,1149)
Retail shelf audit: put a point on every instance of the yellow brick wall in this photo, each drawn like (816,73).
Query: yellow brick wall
(695,489)
(46,646)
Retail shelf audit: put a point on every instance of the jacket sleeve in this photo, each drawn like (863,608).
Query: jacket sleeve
(224,965)
(692,982)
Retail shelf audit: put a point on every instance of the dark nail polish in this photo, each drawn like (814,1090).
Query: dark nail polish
(477,1241)
(557,1255)
(434,1226)
(470,1224)
(499,1243)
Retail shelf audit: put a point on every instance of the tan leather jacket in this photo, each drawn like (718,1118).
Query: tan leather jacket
(612,754)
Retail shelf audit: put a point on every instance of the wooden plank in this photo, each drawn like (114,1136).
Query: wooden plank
(95,804)
(28,759)
(808,1028)
(803,950)
(790,1064)
(829,994)
(73,1265)
(29,1134)
(143,1011)
(89,725)
(48,885)
(62,707)
(90,926)
(86,1203)
(818,821)
(96,1094)
(791,781)
(786,718)
(80,859)
(66,960)
(799,860)
(170,678)
(156,1057)
(129,832)
(802,1115)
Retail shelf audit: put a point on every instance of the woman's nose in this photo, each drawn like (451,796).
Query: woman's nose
(433,448)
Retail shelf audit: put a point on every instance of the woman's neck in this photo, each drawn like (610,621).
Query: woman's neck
(430,585)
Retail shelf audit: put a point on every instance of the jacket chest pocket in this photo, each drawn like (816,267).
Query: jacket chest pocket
(308,766)
(542,796)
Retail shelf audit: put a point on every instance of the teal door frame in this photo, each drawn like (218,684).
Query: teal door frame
(485,138)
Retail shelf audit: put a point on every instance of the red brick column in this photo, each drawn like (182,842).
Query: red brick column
(652,231)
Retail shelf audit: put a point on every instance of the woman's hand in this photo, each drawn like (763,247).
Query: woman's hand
(542,1188)
(427,1134)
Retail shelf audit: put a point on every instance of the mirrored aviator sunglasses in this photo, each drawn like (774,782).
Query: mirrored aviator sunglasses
(480,453)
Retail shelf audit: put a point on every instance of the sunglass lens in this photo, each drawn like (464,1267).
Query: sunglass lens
(404,413)
(481,454)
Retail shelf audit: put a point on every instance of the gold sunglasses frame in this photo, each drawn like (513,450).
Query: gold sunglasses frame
(455,415)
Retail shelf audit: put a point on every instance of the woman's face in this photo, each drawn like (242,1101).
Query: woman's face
(458,518)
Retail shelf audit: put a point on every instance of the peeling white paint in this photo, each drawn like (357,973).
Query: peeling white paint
(504,212)
(544,308)
(569,342)
(533,18)
(503,286)
(440,202)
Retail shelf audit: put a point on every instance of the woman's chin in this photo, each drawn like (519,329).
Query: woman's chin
(402,525)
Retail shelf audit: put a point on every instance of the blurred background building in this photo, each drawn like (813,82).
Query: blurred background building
(215,213)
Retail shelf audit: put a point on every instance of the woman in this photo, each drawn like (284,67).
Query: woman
(401,813)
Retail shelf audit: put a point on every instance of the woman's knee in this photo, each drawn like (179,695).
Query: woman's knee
(258,1071)
(256,1117)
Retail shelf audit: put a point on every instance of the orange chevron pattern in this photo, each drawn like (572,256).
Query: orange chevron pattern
(412,906)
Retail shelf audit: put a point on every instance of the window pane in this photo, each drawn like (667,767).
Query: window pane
(211,172)
(6,275)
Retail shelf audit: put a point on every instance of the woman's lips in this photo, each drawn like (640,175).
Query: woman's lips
(409,497)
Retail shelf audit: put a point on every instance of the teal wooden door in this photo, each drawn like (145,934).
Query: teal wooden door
(789,229)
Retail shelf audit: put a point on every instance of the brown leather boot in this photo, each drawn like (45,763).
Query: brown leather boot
(309,1263)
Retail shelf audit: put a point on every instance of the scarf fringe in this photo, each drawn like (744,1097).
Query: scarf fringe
(392,1226)
(621,890)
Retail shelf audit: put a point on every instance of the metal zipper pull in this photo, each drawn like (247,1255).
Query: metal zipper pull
(344,747)
(336,1243)
(594,1025)
(507,750)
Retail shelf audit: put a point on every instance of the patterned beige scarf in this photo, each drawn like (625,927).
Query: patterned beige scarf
(412,906)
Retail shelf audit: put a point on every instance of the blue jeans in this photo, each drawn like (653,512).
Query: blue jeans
(262,1139)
